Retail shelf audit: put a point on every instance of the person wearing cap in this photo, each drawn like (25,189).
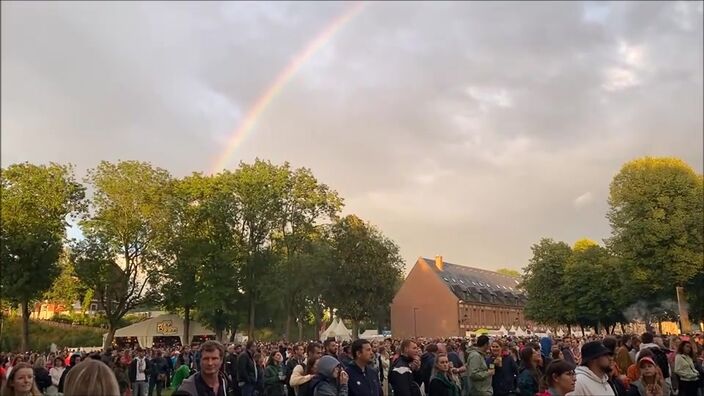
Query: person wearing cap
(651,381)
(593,374)
(331,379)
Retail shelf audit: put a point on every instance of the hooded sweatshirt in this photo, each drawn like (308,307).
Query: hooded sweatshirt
(588,384)
(324,384)
(480,381)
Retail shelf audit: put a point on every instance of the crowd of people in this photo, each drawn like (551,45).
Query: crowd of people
(644,365)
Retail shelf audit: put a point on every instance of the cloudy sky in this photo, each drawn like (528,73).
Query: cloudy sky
(463,129)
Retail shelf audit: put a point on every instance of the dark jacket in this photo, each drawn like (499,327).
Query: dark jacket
(504,380)
(231,366)
(42,378)
(246,369)
(195,386)
(363,382)
(158,366)
(324,384)
(132,371)
(402,380)
(528,384)
(273,384)
(442,387)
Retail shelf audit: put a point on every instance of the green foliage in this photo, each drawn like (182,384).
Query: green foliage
(366,267)
(584,244)
(99,320)
(43,333)
(509,272)
(36,201)
(129,216)
(67,288)
(543,282)
(657,216)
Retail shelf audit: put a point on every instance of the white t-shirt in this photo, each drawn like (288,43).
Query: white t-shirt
(141,367)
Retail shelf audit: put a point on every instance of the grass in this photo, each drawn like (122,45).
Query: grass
(43,333)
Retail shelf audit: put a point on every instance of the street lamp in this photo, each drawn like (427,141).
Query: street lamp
(415,327)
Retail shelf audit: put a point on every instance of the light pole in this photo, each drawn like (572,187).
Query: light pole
(415,327)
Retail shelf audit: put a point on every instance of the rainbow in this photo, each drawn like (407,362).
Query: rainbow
(275,88)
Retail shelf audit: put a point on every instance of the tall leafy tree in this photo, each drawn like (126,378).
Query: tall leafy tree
(67,288)
(657,219)
(259,191)
(543,282)
(120,254)
(36,202)
(366,268)
(306,203)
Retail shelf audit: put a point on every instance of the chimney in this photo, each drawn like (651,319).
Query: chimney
(439,264)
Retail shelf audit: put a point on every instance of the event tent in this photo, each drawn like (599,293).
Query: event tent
(336,330)
(170,325)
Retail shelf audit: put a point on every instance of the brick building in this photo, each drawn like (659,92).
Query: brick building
(440,299)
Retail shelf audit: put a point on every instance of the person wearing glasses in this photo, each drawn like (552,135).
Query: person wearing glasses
(560,378)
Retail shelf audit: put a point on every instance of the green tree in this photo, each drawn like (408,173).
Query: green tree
(509,272)
(121,252)
(259,191)
(543,282)
(306,203)
(657,219)
(591,287)
(366,268)
(67,288)
(36,202)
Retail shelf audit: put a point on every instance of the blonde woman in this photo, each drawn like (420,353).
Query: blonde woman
(91,377)
(20,382)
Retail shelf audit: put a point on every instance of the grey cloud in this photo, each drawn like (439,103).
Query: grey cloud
(463,129)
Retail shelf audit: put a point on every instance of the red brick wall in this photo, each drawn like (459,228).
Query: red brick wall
(437,307)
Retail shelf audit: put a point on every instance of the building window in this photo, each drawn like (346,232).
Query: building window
(93,307)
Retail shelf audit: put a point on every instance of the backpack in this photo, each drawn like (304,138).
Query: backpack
(660,359)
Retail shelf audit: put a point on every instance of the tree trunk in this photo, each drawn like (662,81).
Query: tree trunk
(355,329)
(112,328)
(186,325)
(660,327)
(318,323)
(250,331)
(569,329)
(300,330)
(287,332)
(24,346)
(581,326)
(623,328)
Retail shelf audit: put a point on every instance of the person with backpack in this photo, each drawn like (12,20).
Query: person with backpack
(659,353)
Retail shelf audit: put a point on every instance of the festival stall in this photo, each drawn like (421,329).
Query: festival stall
(164,330)
(336,330)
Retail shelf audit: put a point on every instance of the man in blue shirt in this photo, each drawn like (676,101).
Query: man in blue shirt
(363,378)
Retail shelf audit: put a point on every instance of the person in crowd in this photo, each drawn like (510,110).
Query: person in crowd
(247,372)
(158,372)
(180,373)
(209,380)
(427,362)
(303,387)
(528,380)
(363,378)
(576,350)
(560,378)
(384,365)
(330,347)
(503,382)
(442,383)
(230,364)
(633,372)
(303,372)
(345,356)
(20,382)
(297,358)
(651,381)
(41,374)
(457,366)
(480,374)
(401,377)
(617,380)
(122,376)
(139,373)
(73,360)
(331,379)
(91,377)
(659,353)
(55,373)
(274,375)
(593,374)
(623,357)
(546,350)
(684,367)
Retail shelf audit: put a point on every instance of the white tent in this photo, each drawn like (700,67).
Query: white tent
(336,330)
(520,332)
(560,333)
(371,335)
(161,326)
(512,330)
(503,330)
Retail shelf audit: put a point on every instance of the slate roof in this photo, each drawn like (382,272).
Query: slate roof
(477,285)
